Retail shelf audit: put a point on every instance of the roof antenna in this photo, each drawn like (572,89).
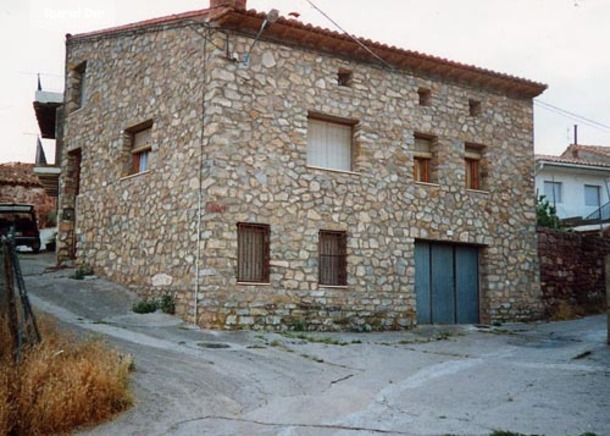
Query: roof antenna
(575,134)
(271,18)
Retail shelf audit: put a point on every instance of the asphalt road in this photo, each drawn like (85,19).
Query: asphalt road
(547,378)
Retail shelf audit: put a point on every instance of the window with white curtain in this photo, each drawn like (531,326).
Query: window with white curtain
(552,191)
(329,145)
(592,195)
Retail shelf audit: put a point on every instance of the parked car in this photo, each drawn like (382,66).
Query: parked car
(20,220)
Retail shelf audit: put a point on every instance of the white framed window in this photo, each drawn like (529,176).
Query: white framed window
(329,144)
(592,195)
(552,191)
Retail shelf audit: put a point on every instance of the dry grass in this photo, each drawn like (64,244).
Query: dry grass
(60,384)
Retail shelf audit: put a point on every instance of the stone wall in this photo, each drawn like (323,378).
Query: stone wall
(238,135)
(572,271)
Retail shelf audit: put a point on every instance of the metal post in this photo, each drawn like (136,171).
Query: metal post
(607,264)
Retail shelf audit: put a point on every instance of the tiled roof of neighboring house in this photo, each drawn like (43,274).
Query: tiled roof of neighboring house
(570,160)
(289,30)
(600,150)
(19,174)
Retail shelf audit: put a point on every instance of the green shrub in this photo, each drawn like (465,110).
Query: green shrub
(167,304)
(81,272)
(145,306)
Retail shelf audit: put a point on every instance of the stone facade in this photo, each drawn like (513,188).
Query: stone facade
(572,272)
(229,145)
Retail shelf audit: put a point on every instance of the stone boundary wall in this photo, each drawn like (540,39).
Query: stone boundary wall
(572,271)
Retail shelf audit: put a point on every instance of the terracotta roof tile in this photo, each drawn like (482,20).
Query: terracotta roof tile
(297,32)
(19,174)
(594,149)
(570,160)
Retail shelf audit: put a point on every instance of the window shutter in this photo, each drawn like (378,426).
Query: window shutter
(329,145)
(141,139)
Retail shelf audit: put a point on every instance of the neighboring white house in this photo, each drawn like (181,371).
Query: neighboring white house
(575,185)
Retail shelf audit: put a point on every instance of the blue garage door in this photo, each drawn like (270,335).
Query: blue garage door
(446,283)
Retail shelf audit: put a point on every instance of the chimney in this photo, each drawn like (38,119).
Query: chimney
(235,4)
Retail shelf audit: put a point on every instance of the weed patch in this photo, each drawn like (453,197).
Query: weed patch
(60,384)
(323,340)
(166,304)
(81,272)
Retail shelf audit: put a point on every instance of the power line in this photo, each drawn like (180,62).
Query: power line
(572,115)
(360,43)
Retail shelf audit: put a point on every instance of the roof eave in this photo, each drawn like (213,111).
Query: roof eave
(295,32)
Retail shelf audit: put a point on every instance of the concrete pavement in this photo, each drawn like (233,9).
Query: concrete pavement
(546,378)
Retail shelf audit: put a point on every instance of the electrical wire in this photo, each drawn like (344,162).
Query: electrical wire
(360,43)
(587,121)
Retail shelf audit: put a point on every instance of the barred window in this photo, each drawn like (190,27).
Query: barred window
(332,246)
(253,252)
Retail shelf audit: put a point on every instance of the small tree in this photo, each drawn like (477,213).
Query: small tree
(546,215)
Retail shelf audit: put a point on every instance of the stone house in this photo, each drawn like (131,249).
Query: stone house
(271,174)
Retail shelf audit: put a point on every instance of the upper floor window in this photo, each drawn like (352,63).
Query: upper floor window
(423,159)
(425,96)
(80,86)
(473,156)
(333,258)
(253,255)
(329,144)
(474,108)
(344,77)
(141,151)
(552,191)
(592,195)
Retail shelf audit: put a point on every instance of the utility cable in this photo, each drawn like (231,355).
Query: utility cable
(572,115)
(360,43)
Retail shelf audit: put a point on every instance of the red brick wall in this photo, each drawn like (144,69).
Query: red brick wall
(572,271)
(36,196)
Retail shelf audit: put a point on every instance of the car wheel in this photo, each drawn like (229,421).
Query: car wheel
(36,247)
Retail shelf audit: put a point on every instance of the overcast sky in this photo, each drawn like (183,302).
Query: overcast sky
(563,43)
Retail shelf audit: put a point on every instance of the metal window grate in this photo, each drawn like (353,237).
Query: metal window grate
(253,252)
(332,248)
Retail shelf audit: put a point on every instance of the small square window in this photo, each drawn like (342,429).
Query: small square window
(425,96)
(253,255)
(332,258)
(474,108)
(344,78)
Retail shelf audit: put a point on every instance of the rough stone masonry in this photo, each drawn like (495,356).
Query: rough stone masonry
(235,137)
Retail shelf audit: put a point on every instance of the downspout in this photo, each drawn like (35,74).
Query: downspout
(200,194)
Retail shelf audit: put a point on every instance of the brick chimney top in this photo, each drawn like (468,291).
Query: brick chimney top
(236,4)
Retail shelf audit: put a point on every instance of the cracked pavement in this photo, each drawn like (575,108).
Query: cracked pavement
(544,378)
